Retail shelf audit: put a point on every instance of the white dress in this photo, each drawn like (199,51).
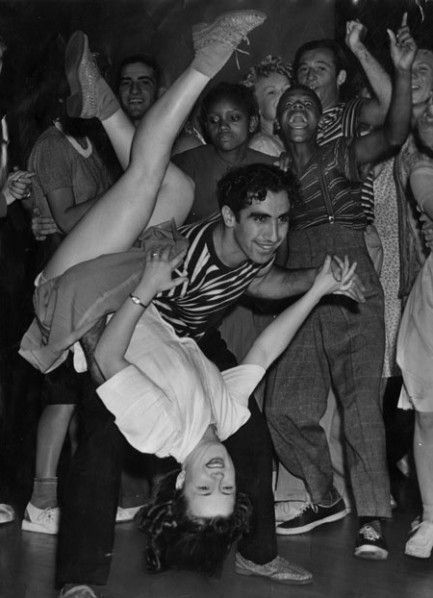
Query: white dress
(164,402)
(415,338)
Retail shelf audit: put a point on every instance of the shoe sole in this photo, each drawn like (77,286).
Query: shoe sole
(292,582)
(29,526)
(77,45)
(281,531)
(371,553)
(418,555)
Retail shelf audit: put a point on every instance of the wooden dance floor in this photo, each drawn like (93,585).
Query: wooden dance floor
(27,568)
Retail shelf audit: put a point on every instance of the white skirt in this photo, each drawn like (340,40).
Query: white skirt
(415,344)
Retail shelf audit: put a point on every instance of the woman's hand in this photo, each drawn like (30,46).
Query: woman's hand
(340,280)
(157,275)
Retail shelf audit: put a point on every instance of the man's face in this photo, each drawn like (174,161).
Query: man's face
(137,89)
(317,71)
(299,115)
(422,77)
(262,226)
(268,91)
(227,125)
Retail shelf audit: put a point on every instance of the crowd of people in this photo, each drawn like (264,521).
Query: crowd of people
(228,278)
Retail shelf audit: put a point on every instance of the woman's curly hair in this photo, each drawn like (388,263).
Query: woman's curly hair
(266,67)
(175,540)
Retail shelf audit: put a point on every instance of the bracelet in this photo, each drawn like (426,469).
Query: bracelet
(138,301)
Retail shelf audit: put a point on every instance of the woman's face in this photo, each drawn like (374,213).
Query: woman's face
(228,125)
(209,484)
(422,77)
(268,91)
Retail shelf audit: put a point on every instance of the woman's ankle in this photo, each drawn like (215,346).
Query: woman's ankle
(44,493)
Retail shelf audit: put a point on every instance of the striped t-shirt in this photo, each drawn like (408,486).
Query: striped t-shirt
(212,287)
(342,120)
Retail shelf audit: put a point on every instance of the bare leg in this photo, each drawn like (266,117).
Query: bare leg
(420,543)
(52,429)
(120,131)
(114,223)
(116,220)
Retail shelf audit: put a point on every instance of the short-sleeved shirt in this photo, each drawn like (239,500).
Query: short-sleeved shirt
(206,167)
(329,189)
(164,402)
(57,164)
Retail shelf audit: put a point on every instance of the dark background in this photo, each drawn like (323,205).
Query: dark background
(117,28)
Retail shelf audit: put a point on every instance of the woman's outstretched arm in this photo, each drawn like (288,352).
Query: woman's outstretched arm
(114,341)
(278,335)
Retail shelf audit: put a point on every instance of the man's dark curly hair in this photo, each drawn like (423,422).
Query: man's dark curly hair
(238,94)
(240,186)
(176,540)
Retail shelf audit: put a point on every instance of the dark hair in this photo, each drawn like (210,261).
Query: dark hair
(339,57)
(299,87)
(239,187)
(144,59)
(175,540)
(240,95)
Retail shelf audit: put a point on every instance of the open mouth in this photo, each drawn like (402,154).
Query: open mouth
(298,120)
(216,462)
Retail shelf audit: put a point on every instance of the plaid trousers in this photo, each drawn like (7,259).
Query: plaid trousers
(341,345)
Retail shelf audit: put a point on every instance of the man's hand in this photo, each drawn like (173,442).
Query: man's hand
(355,34)
(42,226)
(356,289)
(402,46)
(17,186)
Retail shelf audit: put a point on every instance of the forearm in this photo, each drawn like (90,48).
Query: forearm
(374,112)
(281,283)
(114,342)
(278,335)
(69,218)
(397,123)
